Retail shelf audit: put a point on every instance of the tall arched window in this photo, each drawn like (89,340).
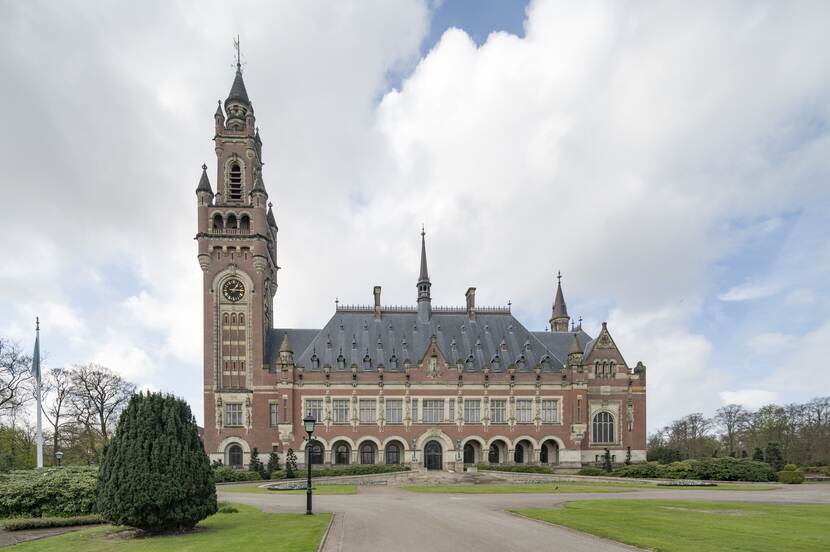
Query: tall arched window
(341,453)
(603,428)
(234,456)
(235,182)
(315,452)
(393,453)
(367,453)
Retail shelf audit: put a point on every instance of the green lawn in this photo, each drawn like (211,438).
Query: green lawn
(318,490)
(249,529)
(697,526)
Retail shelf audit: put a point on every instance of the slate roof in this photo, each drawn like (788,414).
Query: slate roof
(356,337)
(204,182)
(238,91)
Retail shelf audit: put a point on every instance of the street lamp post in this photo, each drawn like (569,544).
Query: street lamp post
(308,424)
(59,457)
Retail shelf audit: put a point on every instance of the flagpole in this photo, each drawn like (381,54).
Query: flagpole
(36,370)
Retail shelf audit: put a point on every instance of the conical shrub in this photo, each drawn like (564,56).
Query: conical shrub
(155,474)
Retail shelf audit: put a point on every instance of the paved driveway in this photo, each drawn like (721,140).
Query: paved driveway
(390,519)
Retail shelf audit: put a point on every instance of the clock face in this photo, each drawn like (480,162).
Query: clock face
(233,290)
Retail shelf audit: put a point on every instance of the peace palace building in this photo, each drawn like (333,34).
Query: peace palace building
(427,386)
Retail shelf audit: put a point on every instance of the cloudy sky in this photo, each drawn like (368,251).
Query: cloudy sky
(672,159)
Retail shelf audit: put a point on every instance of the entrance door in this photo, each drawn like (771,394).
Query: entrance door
(433,456)
(469,454)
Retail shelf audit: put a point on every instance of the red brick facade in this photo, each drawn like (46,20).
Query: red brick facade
(419,385)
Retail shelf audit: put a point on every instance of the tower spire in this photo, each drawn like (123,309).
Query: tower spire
(559,315)
(424,298)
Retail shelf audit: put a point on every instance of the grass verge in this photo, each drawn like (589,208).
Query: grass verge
(250,529)
(509,489)
(697,526)
(318,490)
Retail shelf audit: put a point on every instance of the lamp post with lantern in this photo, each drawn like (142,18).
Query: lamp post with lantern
(308,424)
(59,457)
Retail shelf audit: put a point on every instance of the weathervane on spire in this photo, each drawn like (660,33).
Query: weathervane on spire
(238,53)
(559,277)
(423,233)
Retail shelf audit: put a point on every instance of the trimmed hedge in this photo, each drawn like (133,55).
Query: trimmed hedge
(224,474)
(67,491)
(714,469)
(21,524)
(791,477)
(355,469)
(514,468)
(592,471)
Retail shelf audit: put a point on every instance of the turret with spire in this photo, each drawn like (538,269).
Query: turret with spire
(424,298)
(559,316)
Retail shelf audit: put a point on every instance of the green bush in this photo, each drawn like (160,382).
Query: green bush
(20,524)
(790,467)
(155,474)
(226,508)
(520,468)
(355,469)
(224,474)
(714,469)
(591,471)
(790,477)
(663,455)
(68,491)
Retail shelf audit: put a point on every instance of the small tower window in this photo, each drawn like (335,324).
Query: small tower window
(235,187)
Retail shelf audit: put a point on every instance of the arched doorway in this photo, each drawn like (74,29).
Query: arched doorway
(367,453)
(315,452)
(497,453)
(394,452)
(469,454)
(234,456)
(549,452)
(433,456)
(523,452)
(342,452)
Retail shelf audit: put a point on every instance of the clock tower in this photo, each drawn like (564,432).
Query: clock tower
(237,238)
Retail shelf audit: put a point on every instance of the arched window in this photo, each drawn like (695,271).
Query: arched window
(543,455)
(603,428)
(341,453)
(469,454)
(393,453)
(367,363)
(367,453)
(341,363)
(235,182)
(315,452)
(244,223)
(218,223)
(234,456)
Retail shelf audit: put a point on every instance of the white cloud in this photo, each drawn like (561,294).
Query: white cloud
(750,398)
(749,291)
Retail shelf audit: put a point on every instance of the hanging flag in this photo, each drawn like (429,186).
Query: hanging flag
(36,354)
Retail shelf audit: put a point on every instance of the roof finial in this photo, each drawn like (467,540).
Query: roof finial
(422,230)
(559,277)
(37,323)
(238,54)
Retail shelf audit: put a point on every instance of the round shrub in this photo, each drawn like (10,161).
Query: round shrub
(155,474)
(790,467)
(791,477)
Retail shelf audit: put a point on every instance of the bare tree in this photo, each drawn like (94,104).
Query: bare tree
(729,418)
(98,397)
(15,372)
(57,393)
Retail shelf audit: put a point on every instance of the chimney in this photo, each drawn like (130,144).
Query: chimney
(377,302)
(471,303)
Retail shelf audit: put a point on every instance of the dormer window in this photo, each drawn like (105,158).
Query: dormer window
(315,362)
(235,182)
(367,363)
(341,363)
(393,363)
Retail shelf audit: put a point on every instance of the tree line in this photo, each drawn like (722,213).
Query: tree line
(81,406)
(799,432)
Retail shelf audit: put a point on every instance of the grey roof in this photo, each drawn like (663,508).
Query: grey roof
(355,337)
(298,341)
(204,183)
(259,185)
(560,310)
(270,217)
(238,91)
(559,343)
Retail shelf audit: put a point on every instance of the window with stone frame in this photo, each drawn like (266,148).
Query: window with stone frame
(603,428)
(272,411)
(414,411)
(433,411)
(235,182)
(498,408)
(233,414)
(524,411)
(550,411)
(394,411)
(315,408)
(234,353)
(368,411)
(340,411)
(472,411)
(451,410)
